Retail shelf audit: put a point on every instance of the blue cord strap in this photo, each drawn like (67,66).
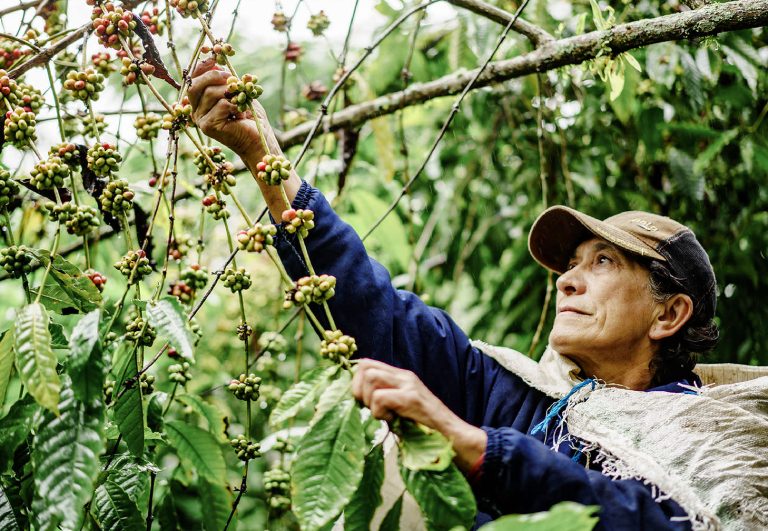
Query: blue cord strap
(555,408)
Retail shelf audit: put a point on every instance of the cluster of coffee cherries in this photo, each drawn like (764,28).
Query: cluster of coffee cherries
(242,92)
(148,125)
(30,99)
(190,8)
(273,169)
(256,238)
(314,288)
(165,181)
(79,220)
(179,117)
(131,70)
(314,91)
(108,388)
(179,373)
(215,207)
(8,188)
(8,89)
(111,22)
(15,260)
(49,173)
(117,197)
(270,341)
(245,387)
(85,85)
(97,278)
(220,50)
(318,23)
(277,485)
(94,126)
(280,22)
(151,20)
(182,291)
(11,52)
(104,159)
(134,260)
(102,62)
(301,221)
(236,279)
(20,127)
(68,153)
(221,175)
(245,449)
(139,331)
(292,52)
(181,244)
(336,346)
(195,276)
(147,383)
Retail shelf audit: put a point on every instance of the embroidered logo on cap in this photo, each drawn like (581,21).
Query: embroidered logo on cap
(644,223)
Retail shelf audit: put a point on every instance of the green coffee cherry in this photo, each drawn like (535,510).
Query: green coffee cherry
(20,127)
(215,207)
(195,276)
(280,22)
(8,188)
(277,485)
(272,341)
(318,23)
(273,170)
(102,61)
(220,50)
(245,449)
(179,117)
(85,85)
(148,126)
(30,98)
(49,173)
(179,373)
(147,383)
(94,127)
(104,159)
(134,259)
(301,221)
(337,346)
(109,390)
(236,279)
(135,331)
(15,260)
(117,197)
(84,220)
(110,23)
(182,291)
(245,387)
(68,153)
(242,92)
(314,288)
(255,239)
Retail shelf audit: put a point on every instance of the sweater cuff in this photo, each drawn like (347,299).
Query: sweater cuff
(303,196)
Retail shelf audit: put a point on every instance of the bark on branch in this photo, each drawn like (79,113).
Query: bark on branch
(708,20)
(535,34)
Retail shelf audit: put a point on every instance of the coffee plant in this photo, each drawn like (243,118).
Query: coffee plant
(159,366)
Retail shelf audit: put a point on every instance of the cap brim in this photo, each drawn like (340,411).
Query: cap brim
(559,230)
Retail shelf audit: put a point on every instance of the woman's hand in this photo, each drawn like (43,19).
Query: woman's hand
(388,391)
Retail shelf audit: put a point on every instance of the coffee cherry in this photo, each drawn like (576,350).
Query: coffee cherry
(20,127)
(221,50)
(85,85)
(245,387)
(8,89)
(179,117)
(147,383)
(242,92)
(293,52)
(134,259)
(236,279)
(30,98)
(314,288)
(68,153)
(190,8)
(148,126)
(339,73)
(246,450)
(266,364)
(109,390)
(104,159)
(8,188)
(284,446)
(216,207)
(15,260)
(255,239)
(196,276)
(182,291)
(135,331)
(173,353)
(318,23)
(277,485)
(84,220)
(151,20)
(102,62)
(273,169)
(272,341)
(301,221)
(244,331)
(117,197)
(11,52)
(314,91)
(179,373)
(94,127)
(97,278)
(180,246)
(337,346)
(111,22)
(222,174)
(49,173)
(269,395)
(132,70)
(280,22)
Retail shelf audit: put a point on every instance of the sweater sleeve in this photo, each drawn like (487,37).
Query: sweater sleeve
(522,475)
(389,325)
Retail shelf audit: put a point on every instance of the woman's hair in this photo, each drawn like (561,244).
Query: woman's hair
(678,354)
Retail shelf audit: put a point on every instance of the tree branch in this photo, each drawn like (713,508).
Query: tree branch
(535,34)
(19,7)
(708,20)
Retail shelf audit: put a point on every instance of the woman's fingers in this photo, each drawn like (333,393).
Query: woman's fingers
(202,83)
(383,402)
(211,96)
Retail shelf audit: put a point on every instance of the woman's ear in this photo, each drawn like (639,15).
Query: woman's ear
(671,316)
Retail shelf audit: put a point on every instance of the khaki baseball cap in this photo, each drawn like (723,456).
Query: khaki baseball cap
(559,230)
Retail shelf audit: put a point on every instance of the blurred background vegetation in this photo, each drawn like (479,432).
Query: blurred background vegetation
(687,137)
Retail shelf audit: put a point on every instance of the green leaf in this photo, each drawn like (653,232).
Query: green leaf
(565,516)
(213,417)
(422,448)
(132,474)
(337,391)
(14,429)
(713,149)
(8,519)
(197,449)
(114,510)
(129,409)
(35,360)
(328,466)
(444,497)
(302,394)
(86,361)
(58,338)
(359,512)
(65,458)
(6,362)
(217,504)
(168,318)
(55,299)
(85,335)
(391,521)
(73,282)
